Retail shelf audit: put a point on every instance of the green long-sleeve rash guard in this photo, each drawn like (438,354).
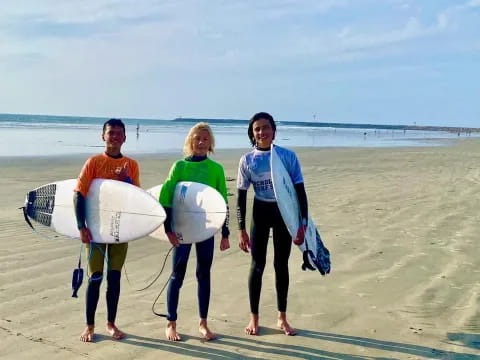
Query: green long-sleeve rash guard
(207,172)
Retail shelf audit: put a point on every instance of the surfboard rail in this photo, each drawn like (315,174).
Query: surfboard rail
(315,254)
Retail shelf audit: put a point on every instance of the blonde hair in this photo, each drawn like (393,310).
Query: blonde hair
(188,147)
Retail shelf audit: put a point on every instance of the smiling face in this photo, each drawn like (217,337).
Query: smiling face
(114,137)
(263,133)
(201,142)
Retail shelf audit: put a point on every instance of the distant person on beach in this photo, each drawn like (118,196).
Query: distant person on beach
(197,167)
(111,164)
(254,169)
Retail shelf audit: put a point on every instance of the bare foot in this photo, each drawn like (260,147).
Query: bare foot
(205,331)
(285,326)
(87,334)
(252,327)
(115,332)
(171,332)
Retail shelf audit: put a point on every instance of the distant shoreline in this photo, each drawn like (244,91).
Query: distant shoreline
(339,125)
(188,120)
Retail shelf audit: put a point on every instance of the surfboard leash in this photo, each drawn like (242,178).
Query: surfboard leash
(77,276)
(165,285)
(154,280)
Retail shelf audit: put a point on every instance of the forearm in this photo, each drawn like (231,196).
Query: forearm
(225,230)
(241,208)
(79,204)
(167,224)
(302,200)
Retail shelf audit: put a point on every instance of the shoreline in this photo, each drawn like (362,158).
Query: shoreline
(175,153)
(218,121)
(58,142)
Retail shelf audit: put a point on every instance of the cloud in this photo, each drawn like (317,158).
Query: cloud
(216,34)
(79,12)
(153,54)
(76,19)
(474,3)
(293,8)
(356,41)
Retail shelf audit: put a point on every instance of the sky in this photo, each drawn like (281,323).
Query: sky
(350,61)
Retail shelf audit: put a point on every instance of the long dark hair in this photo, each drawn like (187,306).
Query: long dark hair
(258,116)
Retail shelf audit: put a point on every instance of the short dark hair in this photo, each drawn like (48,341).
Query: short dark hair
(258,116)
(113,122)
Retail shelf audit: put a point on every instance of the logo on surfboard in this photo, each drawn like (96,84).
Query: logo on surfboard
(183,193)
(115,226)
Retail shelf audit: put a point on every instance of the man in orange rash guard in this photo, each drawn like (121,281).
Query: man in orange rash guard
(109,165)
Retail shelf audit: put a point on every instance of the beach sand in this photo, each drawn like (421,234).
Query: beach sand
(402,226)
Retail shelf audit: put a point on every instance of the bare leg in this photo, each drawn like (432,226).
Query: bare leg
(205,331)
(284,325)
(171,331)
(252,327)
(115,332)
(88,334)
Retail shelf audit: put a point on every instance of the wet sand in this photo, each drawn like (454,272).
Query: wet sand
(402,226)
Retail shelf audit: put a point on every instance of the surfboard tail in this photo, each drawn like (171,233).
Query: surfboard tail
(40,203)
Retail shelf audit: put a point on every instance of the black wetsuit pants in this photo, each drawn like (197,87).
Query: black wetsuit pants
(93,294)
(266,215)
(204,263)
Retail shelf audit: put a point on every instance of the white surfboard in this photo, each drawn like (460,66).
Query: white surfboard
(313,249)
(198,211)
(116,211)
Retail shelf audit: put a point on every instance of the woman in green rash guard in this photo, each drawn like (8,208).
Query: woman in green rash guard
(199,168)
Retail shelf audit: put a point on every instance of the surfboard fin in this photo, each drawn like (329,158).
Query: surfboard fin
(24,208)
(77,279)
(306,262)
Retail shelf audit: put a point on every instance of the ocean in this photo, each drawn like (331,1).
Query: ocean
(44,135)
